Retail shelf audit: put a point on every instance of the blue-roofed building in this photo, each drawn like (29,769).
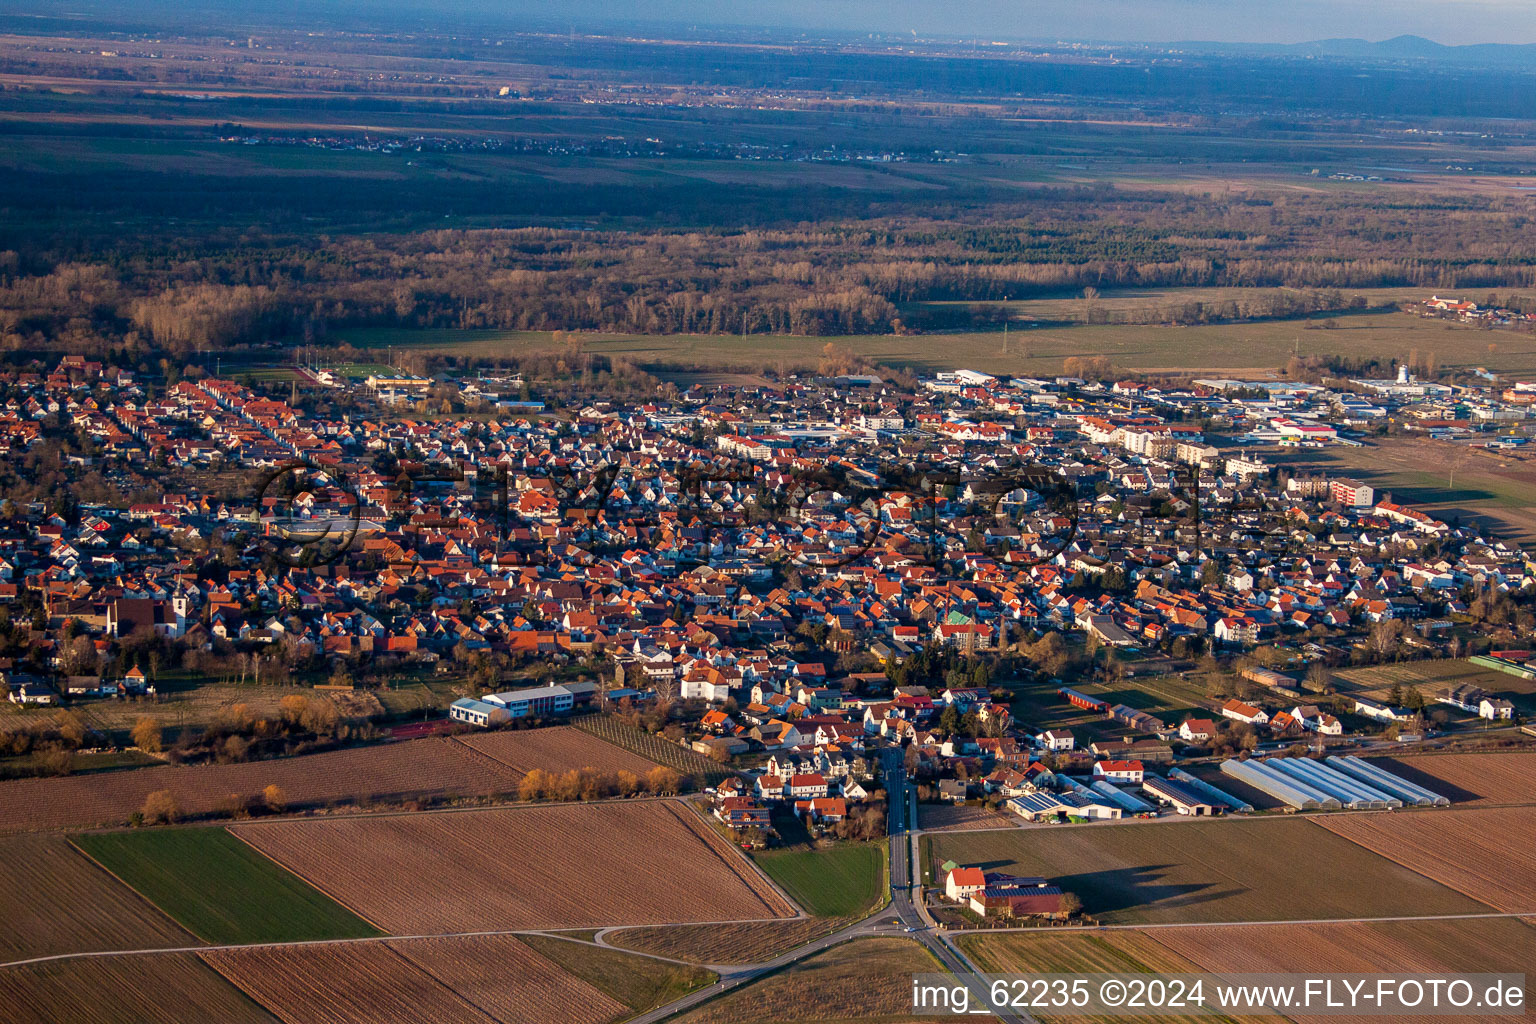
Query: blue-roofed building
(473,712)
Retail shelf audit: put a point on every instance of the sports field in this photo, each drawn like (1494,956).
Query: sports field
(220,889)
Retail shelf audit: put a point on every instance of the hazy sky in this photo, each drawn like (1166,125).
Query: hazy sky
(1282,21)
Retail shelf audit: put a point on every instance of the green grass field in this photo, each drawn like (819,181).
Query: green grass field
(1263,870)
(840,881)
(1169,698)
(640,983)
(219,888)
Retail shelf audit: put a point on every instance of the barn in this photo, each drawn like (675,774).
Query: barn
(1184,799)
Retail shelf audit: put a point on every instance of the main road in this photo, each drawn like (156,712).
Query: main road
(907,884)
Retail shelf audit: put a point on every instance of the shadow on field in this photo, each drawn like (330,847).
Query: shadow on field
(1104,892)
(1455,794)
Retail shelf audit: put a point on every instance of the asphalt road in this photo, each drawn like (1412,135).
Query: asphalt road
(906,884)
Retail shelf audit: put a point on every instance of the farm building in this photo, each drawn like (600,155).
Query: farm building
(1380,712)
(1503,665)
(1055,739)
(1210,792)
(1380,778)
(961,883)
(1052,807)
(1039,806)
(1240,712)
(1467,698)
(1183,799)
(1350,792)
(741,812)
(1280,786)
(1124,799)
(1138,720)
(1274,680)
(1023,901)
(1082,700)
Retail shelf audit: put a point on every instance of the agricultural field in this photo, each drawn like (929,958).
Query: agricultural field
(220,889)
(434,767)
(858,979)
(509,981)
(1490,945)
(638,982)
(350,983)
(1484,852)
(554,866)
(187,698)
(1472,780)
(697,768)
(487,979)
(1376,681)
(1206,871)
(1052,952)
(839,881)
(556,749)
(726,943)
(1217,349)
(1487,944)
(961,818)
(60,902)
(161,988)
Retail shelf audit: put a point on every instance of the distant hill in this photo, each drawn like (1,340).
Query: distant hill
(1397,48)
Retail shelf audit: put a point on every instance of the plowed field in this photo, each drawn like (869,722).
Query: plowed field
(1484,853)
(553,866)
(555,750)
(57,901)
(417,768)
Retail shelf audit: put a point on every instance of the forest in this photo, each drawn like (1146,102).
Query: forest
(849,277)
(640,187)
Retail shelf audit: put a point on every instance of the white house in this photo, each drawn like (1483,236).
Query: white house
(960,883)
(1119,771)
(1055,739)
(1197,730)
(1495,708)
(1314,719)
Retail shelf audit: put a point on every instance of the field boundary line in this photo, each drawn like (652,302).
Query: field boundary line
(1418,871)
(1152,926)
(800,911)
(711,840)
(483,933)
(151,904)
(455,993)
(306,880)
(478,755)
(621,949)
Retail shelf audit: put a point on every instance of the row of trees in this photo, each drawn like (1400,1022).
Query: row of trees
(595,784)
